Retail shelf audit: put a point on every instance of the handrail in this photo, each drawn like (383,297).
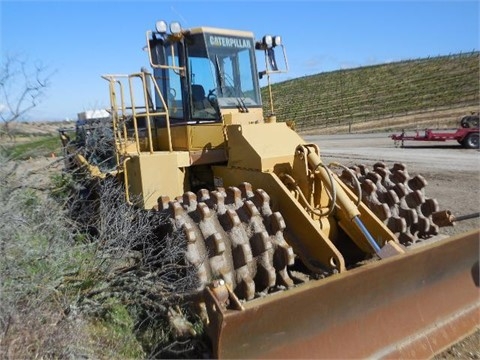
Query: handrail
(114,114)
(125,177)
(147,112)
(120,135)
(268,71)
(143,77)
(167,114)
(119,111)
(124,111)
(134,114)
(173,67)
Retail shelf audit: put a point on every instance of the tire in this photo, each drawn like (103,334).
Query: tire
(470,121)
(471,141)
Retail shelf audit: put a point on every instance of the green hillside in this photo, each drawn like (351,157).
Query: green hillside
(364,94)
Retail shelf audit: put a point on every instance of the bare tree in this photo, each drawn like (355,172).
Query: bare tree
(22,88)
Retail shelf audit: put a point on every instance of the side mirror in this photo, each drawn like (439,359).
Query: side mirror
(271,59)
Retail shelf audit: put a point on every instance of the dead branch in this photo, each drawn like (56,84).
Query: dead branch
(22,87)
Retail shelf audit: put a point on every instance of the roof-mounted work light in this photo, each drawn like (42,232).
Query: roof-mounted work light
(161,27)
(175,28)
(277,40)
(267,41)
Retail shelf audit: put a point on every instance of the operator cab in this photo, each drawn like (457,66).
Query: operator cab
(204,73)
(203,80)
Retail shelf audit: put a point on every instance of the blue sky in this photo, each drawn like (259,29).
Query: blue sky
(81,40)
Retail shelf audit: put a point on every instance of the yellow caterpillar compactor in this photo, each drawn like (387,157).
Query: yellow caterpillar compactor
(290,263)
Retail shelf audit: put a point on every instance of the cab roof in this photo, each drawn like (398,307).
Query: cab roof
(219,31)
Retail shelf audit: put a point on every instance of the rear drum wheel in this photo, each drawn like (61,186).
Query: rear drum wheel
(398,199)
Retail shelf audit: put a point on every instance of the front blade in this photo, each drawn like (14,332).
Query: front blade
(409,306)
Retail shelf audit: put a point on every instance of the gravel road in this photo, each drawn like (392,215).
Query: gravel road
(417,155)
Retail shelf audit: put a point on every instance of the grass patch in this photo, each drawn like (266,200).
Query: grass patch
(38,147)
(114,331)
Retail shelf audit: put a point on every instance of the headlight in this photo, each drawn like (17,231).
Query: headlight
(175,28)
(277,40)
(161,26)
(267,41)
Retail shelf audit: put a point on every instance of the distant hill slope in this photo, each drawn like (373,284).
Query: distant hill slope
(363,95)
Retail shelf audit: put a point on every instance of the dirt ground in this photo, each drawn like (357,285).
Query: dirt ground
(453,176)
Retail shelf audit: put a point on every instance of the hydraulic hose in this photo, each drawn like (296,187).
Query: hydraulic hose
(355,180)
(341,198)
(332,185)
(348,207)
(315,211)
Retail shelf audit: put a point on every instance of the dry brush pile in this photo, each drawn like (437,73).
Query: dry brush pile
(84,274)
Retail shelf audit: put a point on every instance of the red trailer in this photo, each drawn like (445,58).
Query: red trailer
(466,135)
